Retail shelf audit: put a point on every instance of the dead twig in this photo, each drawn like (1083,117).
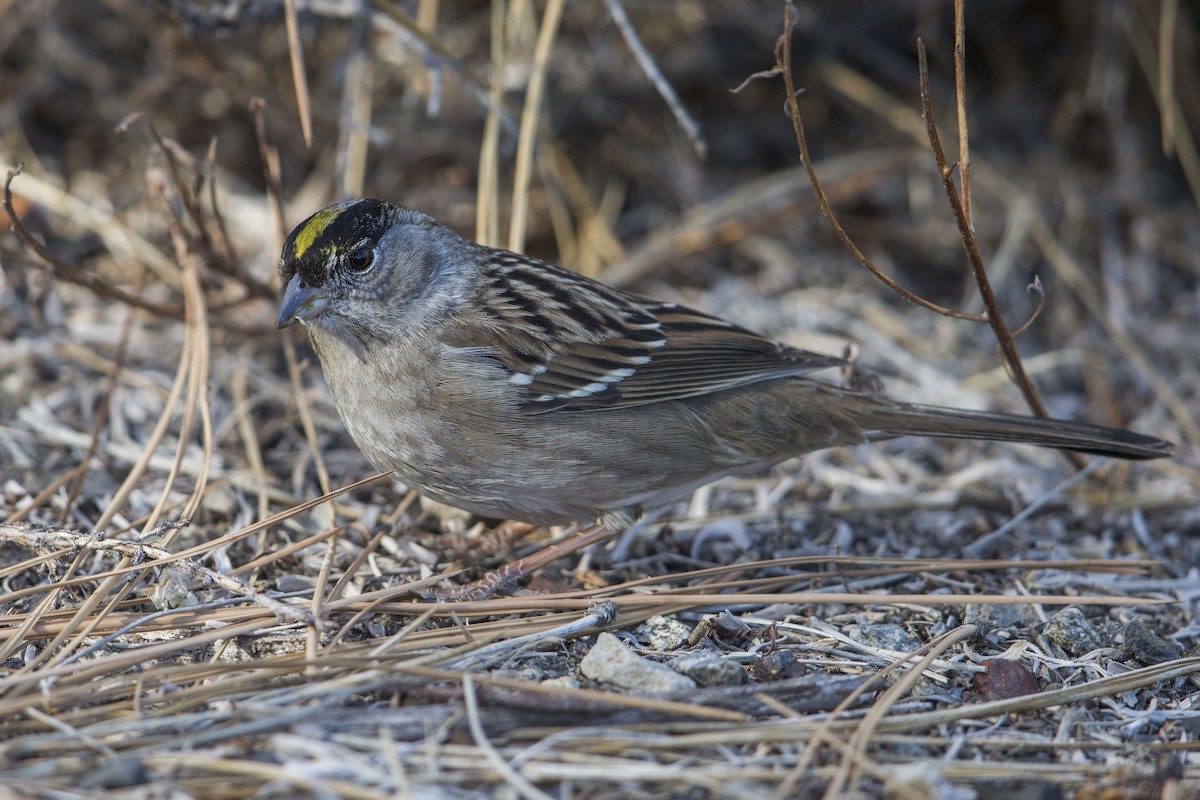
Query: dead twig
(299,81)
(137,552)
(530,124)
(960,101)
(72,274)
(992,311)
(689,125)
(198,237)
(783,67)
(991,314)
(102,411)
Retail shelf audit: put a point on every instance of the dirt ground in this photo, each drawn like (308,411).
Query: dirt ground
(185,612)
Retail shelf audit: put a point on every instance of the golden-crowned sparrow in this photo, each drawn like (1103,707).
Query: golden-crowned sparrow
(512,388)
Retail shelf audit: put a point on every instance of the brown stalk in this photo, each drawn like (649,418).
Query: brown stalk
(531,123)
(847,769)
(978,269)
(960,100)
(1033,288)
(197,336)
(186,196)
(231,256)
(192,366)
(991,314)
(69,273)
(487,202)
(783,66)
(296,51)
(270,173)
(224,260)
(72,274)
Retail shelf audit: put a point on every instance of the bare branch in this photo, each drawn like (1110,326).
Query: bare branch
(783,63)
(664,88)
(960,96)
(991,309)
(72,274)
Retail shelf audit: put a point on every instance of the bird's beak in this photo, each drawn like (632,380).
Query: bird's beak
(300,303)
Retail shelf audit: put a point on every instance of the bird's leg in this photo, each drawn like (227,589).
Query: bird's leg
(506,579)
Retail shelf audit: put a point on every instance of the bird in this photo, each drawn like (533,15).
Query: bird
(516,389)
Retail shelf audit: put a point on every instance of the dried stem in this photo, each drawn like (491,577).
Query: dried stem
(72,274)
(296,51)
(991,315)
(690,127)
(991,310)
(530,125)
(783,66)
(960,97)
(223,259)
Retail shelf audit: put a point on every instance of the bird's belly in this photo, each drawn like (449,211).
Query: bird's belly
(495,470)
(456,435)
(466,453)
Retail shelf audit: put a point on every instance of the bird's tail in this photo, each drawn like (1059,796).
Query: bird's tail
(891,420)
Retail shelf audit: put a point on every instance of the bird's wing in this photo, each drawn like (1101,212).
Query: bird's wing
(571,343)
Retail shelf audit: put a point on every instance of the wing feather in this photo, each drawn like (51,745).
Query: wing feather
(574,344)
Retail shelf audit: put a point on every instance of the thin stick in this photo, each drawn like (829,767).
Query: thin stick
(960,96)
(1168,19)
(983,544)
(248,433)
(303,410)
(529,124)
(355,118)
(879,709)
(72,274)
(599,616)
(510,775)
(299,80)
(139,551)
(102,410)
(991,315)
(197,337)
(690,127)
(270,174)
(783,61)
(487,198)
(992,311)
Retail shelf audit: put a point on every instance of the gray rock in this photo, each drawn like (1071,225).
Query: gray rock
(709,669)
(1071,631)
(886,636)
(1147,647)
(778,665)
(924,779)
(994,617)
(613,663)
(662,633)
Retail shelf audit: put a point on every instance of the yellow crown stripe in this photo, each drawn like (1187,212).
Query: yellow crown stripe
(312,229)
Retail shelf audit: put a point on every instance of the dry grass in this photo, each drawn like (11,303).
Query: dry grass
(191,605)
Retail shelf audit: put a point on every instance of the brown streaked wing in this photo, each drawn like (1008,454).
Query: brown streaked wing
(575,344)
(702,354)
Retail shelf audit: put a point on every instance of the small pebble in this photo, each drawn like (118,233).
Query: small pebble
(778,665)
(613,663)
(710,669)
(1147,647)
(1005,679)
(1071,631)
(662,633)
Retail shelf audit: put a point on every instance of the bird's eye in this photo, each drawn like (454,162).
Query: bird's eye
(361,258)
